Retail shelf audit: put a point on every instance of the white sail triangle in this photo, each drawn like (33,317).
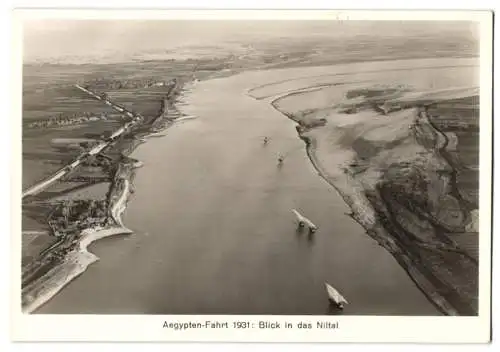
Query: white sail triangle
(335,295)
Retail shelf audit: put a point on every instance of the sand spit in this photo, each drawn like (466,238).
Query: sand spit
(75,263)
(353,72)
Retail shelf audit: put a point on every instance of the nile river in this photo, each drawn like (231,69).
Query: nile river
(214,231)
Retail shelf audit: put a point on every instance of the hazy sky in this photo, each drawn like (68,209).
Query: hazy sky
(84,39)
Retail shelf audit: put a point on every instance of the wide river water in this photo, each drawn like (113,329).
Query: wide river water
(214,229)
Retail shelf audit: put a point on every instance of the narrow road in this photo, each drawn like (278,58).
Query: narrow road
(120,205)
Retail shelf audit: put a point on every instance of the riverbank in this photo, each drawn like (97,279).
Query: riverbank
(69,257)
(75,257)
(76,262)
(396,182)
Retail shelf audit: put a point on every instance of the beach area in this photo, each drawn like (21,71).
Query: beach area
(224,224)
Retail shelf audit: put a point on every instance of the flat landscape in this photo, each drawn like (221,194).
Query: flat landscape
(395,167)
(197,162)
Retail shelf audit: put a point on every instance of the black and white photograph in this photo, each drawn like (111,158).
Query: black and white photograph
(256,167)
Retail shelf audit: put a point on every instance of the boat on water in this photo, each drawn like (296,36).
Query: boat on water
(303,221)
(335,297)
